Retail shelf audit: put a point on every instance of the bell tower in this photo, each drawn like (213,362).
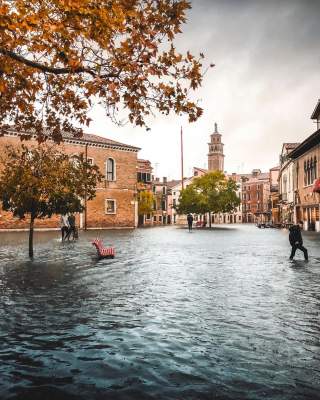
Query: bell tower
(215,155)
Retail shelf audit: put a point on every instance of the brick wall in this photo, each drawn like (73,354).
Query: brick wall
(122,190)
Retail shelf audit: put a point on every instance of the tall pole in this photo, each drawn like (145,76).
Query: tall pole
(85,195)
(182,184)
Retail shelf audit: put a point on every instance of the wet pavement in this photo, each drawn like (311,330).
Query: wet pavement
(220,314)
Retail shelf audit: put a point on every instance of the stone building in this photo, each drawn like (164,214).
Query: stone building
(115,204)
(215,155)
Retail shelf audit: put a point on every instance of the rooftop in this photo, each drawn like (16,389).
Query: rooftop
(316,112)
(86,138)
(306,145)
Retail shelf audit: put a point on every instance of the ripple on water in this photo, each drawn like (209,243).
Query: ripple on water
(214,314)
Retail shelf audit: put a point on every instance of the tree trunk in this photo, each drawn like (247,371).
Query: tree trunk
(31,237)
(209,219)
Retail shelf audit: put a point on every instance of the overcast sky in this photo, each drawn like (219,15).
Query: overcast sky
(261,93)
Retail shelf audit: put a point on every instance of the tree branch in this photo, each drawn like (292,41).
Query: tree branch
(45,68)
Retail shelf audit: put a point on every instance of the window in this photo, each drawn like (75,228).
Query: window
(144,177)
(148,216)
(310,171)
(154,205)
(174,202)
(163,205)
(164,189)
(154,189)
(154,218)
(111,176)
(110,206)
(74,159)
(174,193)
(160,218)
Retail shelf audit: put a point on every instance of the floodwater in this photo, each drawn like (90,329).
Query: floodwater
(220,314)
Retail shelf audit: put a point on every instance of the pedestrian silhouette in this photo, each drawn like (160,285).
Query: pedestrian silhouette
(64,225)
(72,228)
(190,221)
(296,241)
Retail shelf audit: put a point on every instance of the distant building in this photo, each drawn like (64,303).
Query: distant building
(144,184)
(161,214)
(215,155)
(274,195)
(255,190)
(234,217)
(175,190)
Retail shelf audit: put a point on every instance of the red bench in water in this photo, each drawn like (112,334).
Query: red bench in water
(103,252)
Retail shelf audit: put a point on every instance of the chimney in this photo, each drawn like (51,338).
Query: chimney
(164,179)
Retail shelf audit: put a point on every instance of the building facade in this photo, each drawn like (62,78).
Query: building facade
(255,189)
(274,206)
(115,204)
(162,212)
(307,201)
(286,185)
(144,184)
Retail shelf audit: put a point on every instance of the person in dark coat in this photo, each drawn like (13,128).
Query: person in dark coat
(72,227)
(296,241)
(190,221)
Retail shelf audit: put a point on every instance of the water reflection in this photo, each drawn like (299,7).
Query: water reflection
(212,314)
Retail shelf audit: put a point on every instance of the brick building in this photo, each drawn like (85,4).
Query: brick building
(255,197)
(115,204)
(144,178)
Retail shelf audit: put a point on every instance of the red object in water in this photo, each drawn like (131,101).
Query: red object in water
(103,252)
(316,186)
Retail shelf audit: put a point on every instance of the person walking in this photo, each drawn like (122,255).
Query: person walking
(190,221)
(64,225)
(72,227)
(296,241)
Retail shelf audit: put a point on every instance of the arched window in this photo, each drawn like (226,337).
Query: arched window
(110,173)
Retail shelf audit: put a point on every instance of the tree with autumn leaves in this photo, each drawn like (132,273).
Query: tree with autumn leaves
(38,182)
(60,57)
